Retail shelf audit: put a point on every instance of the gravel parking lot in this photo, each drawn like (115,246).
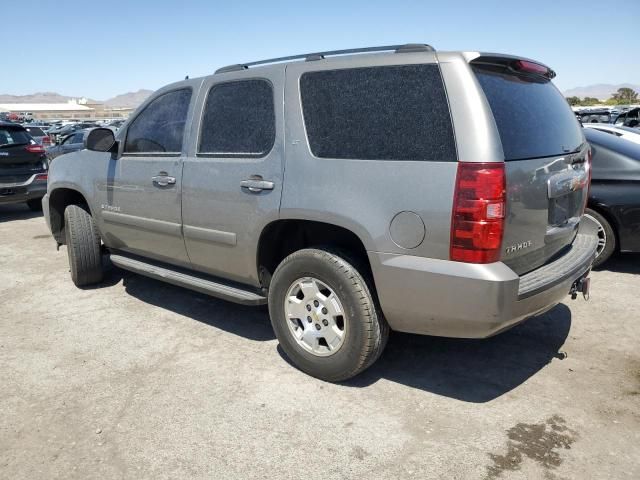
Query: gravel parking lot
(138,379)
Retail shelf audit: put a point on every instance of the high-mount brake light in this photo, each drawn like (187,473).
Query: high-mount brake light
(479,207)
(532,67)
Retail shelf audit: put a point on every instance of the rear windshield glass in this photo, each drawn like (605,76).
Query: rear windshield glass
(532,116)
(13,136)
(35,132)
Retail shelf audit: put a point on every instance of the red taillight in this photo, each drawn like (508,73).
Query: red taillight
(42,176)
(35,148)
(46,140)
(479,205)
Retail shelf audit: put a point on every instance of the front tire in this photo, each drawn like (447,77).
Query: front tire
(606,237)
(83,246)
(325,316)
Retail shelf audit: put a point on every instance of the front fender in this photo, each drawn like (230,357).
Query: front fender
(77,171)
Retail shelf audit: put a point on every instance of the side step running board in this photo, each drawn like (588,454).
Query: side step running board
(208,287)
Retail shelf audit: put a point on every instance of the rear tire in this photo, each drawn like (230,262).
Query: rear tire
(83,246)
(35,205)
(606,237)
(338,286)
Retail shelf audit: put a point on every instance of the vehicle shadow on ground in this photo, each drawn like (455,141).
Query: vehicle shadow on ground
(622,263)
(472,370)
(17,211)
(249,322)
(468,370)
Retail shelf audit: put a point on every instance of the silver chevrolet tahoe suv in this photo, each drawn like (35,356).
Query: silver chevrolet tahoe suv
(354,192)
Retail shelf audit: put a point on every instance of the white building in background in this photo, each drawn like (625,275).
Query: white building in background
(79,109)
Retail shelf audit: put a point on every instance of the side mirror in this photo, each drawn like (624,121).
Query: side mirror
(100,140)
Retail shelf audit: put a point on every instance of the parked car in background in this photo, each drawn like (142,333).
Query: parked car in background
(38,134)
(116,124)
(71,143)
(627,133)
(614,197)
(66,130)
(385,219)
(19,117)
(23,167)
(54,130)
(40,124)
(594,116)
(630,118)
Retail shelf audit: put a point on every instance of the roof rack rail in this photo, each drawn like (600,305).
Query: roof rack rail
(309,57)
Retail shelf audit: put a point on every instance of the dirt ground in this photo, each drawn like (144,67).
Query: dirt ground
(138,379)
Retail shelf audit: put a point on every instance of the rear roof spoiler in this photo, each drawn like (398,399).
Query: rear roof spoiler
(517,64)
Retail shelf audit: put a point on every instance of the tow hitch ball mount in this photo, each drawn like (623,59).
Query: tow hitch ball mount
(580,286)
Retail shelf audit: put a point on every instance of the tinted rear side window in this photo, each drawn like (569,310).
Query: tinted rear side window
(532,116)
(238,119)
(378,113)
(160,126)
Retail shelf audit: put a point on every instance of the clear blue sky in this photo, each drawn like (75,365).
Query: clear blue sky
(103,48)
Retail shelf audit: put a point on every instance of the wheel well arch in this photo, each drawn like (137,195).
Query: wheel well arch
(59,200)
(608,216)
(280,238)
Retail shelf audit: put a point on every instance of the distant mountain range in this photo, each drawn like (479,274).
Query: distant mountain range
(129,99)
(601,91)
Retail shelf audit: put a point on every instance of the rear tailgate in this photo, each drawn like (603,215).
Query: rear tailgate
(17,164)
(545,161)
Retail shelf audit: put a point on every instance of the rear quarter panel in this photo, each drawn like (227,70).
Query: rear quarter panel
(365,195)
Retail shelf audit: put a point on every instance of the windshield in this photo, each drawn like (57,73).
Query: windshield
(10,137)
(533,118)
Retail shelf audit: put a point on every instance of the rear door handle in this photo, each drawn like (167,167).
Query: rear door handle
(257,184)
(163,179)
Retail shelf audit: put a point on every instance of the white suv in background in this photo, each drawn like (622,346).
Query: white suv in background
(628,133)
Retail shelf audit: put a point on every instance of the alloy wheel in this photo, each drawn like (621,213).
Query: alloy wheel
(315,316)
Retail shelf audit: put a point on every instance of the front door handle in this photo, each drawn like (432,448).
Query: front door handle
(257,184)
(162,180)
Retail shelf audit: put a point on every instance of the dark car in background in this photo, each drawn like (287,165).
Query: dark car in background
(54,130)
(23,167)
(71,143)
(60,134)
(38,134)
(614,197)
(630,118)
(595,116)
(115,124)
